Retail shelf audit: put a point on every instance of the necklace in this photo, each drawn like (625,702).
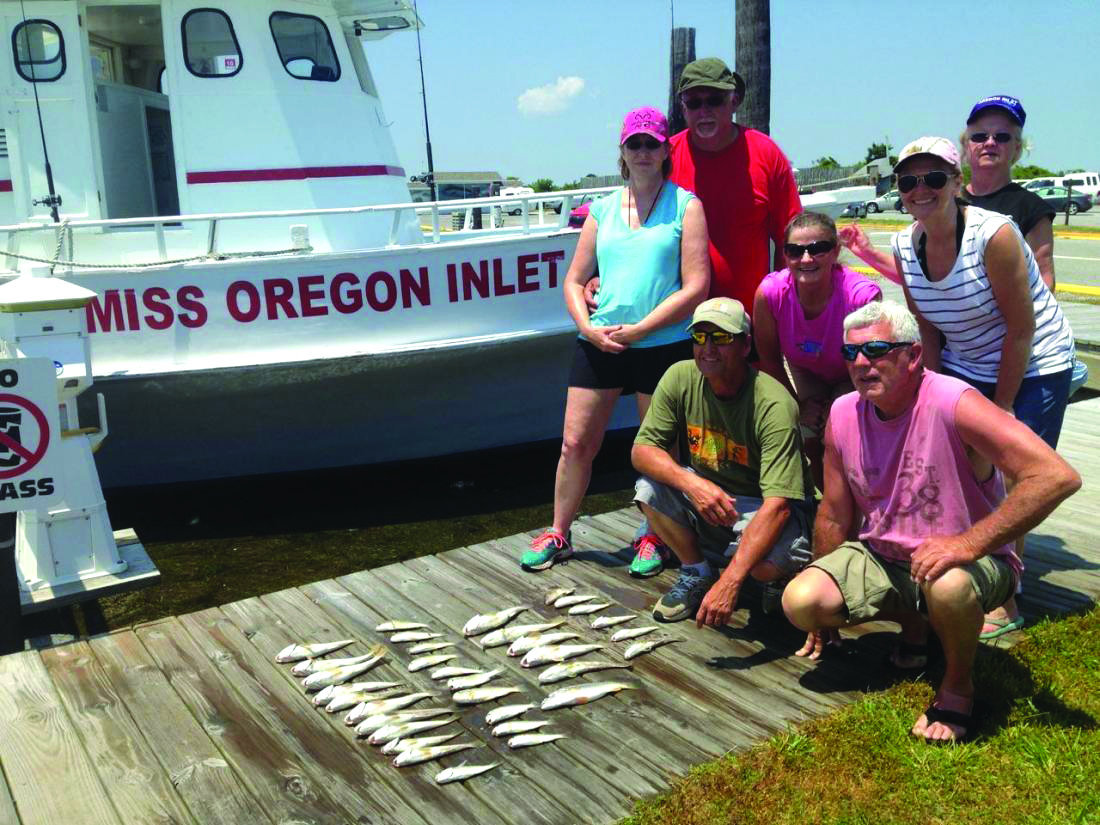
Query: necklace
(642,220)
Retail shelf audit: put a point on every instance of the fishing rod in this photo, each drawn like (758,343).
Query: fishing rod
(424,96)
(53,200)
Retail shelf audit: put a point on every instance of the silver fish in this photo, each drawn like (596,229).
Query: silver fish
(389,627)
(413,636)
(309,666)
(512,728)
(582,694)
(568,670)
(396,745)
(430,661)
(526,740)
(351,698)
(338,675)
(365,709)
(475,696)
(415,756)
(297,652)
(632,633)
(569,601)
(450,671)
(555,653)
(484,622)
(505,712)
(387,732)
(638,648)
(507,635)
(472,681)
(585,609)
(600,622)
(526,643)
(327,694)
(429,647)
(555,594)
(397,717)
(462,772)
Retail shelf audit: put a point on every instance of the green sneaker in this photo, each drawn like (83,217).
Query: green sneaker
(650,556)
(683,598)
(546,550)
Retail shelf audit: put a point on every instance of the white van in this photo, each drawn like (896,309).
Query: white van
(1084,183)
(514,192)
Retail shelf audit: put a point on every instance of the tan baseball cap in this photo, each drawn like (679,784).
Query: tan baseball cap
(724,313)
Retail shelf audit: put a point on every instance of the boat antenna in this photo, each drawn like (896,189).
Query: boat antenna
(53,200)
(423,97)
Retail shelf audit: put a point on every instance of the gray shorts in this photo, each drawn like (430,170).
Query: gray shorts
(790,554)
(872,585)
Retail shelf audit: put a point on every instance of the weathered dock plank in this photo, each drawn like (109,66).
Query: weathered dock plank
(127,766)
(39,743)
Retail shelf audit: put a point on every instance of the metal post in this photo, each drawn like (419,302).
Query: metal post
(1069,200)
(11,611)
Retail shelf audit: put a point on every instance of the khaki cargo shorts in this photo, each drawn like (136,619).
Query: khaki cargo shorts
(872,585)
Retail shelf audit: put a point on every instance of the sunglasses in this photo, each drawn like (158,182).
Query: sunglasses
(982,137)
(797,250)
(933,180)
(872,349)
(713,100)
(721,338)
(636,142)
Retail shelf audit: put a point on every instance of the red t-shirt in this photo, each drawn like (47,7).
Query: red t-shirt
(748,195)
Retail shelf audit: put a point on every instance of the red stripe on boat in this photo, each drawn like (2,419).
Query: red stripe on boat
(297,173)
(5,186)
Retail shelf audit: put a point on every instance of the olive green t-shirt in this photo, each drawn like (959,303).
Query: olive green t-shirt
(749,445)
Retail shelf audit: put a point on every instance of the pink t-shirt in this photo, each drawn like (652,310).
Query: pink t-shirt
(814,345)
(910,475)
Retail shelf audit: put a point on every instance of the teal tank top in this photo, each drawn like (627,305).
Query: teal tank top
(639,268)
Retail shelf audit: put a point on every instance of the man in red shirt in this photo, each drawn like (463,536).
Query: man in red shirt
(741,176)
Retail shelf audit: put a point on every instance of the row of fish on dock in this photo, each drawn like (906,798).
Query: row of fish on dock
(383,712)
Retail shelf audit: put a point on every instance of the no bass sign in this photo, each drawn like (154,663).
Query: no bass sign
(29,434)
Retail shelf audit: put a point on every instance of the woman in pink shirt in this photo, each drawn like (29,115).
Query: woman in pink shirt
(798,314)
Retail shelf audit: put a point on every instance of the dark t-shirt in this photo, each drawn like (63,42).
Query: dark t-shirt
(1022,205)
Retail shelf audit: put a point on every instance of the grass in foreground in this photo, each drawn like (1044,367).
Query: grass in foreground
(1036,758)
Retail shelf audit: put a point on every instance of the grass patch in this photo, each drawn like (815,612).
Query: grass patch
(1036,758)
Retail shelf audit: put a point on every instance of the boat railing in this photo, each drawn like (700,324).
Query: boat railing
(536,205)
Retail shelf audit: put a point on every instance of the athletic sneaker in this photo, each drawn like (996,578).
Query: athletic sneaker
(650,556)
(683,598)
(546,550)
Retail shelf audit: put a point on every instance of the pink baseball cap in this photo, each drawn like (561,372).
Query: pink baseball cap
(646,120)
(939,147)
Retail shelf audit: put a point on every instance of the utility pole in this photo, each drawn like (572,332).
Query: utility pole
(683,52)
(753,43)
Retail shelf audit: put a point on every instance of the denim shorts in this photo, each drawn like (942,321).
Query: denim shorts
(791,551)
(1040,403)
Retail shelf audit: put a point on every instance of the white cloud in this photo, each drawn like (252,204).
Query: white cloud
(552,98)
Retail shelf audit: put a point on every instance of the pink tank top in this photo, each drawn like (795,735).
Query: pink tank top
(910,475)
(815,344)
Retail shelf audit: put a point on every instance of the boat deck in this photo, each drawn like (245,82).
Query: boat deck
(189,719)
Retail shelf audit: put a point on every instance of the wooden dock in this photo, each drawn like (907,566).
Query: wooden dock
(190,720)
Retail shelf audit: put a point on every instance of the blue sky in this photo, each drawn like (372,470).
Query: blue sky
(538,89)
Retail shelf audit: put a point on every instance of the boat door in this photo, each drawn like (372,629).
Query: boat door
(47,52)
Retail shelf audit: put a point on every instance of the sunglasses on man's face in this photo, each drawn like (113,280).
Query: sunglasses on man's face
(933,180)
(872,349)
(982,137)
(713,100)
(636,142)
(720,337)
(795,251)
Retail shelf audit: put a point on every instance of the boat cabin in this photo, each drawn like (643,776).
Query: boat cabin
(175,107)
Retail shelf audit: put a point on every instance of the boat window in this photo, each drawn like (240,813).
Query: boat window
(39,51)
(305,46)
(210,47)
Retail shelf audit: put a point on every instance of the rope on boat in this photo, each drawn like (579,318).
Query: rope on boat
(216,256)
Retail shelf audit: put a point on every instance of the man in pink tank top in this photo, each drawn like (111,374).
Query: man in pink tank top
(913,467)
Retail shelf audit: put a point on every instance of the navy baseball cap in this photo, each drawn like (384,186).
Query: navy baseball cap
(1006,102)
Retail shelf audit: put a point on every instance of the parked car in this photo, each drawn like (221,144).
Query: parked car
(883,202)
(854,210)
(899,206)
(579,212)
(514,192)
(1059,197)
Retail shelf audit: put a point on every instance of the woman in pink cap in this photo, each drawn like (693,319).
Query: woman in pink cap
(649,239)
